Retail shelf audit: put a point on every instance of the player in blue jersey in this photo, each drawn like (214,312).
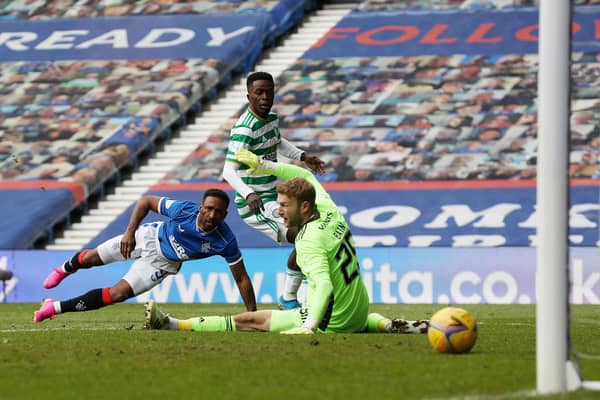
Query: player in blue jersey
(159,248)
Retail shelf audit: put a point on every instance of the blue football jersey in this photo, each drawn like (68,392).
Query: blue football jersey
(181,239)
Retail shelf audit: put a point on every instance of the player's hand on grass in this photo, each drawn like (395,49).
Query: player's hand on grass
(298,331)
(127,244)
(315,164)
(255,203)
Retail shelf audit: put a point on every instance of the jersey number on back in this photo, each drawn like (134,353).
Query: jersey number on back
(345,255)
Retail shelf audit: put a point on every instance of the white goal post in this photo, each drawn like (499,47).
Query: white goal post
(555,373)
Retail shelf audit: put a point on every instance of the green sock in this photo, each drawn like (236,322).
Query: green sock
(378,323)
(213,324)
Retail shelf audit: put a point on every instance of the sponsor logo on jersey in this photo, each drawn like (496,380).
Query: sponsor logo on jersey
(180,229)
(181,254)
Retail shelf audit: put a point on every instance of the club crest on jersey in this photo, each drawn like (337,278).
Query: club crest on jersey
(205,247)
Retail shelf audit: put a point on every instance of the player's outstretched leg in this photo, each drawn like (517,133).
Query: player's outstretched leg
(284,304)
(55,277)
(378,323)
(61,272)
(293,279)
(400,325)
(46,311)
(154,318)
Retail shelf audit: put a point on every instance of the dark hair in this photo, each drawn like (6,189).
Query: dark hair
(259,76)
(218,193)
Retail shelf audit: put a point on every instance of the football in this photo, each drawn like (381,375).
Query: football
(452,330)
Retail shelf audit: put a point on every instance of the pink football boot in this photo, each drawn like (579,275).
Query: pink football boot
(46,311)
(55,277)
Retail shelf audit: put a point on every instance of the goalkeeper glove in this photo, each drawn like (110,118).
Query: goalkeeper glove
(298,331)
(257,165)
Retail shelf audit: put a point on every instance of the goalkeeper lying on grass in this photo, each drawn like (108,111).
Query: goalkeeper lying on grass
(337,299)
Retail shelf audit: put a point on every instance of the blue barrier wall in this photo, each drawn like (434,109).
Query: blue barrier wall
(392,275)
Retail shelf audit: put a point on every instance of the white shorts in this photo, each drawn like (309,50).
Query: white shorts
(268,222)
(149,267)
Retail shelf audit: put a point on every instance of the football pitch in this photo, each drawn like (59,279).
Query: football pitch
(106,354)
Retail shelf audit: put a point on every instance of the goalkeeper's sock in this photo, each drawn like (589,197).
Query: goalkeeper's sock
(293,280)
(209,324)
(378,323)
(92,300)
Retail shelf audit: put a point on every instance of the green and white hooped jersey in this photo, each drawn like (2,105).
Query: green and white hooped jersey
(260,137)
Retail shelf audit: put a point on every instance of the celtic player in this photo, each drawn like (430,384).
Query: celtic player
(257,130)
(337,299)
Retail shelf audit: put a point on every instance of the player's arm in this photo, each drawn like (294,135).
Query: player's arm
(232,254)
(142,207)
(230,174)
(244,284)
(239,140)
(288,150)
(319,275)
(283,171)
(280,170)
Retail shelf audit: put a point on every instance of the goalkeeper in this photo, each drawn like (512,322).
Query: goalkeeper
(337,299)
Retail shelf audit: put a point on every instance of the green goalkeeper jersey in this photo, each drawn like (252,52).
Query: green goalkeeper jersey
(336,295)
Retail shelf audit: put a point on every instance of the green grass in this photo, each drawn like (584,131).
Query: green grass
(105,354)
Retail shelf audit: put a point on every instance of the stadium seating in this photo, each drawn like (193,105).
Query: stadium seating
(69,127)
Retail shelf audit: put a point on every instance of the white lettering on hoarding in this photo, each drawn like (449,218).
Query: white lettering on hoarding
(582,291)
(152,39)
(15,41)
(578,215)
(230,289)
(456,287)
(399,216)
(491,217)
(218,36)
(386,285)
(385,277)
(412,278)
(504,279)
(205,290)
(60,40)
(116,38)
